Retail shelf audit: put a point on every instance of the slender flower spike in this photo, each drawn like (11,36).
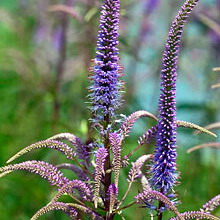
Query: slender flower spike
(115,141)
(147,196)
(100,161)
(212,204)
(106,86)
(113,193)
(164,168)
(70,211)
(45,170)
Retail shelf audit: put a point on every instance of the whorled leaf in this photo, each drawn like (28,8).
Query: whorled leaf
(115,141)
(194,126)
(53,144)
(211,204)
(69,210)
(206,145)
(196,215)
(130,120)
(145,196)
(45,170)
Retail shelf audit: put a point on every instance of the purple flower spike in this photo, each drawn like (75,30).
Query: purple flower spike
(113,193)
(164,168)
(106,86)
(100,161)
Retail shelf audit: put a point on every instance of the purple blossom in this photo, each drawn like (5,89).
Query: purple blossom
(113,193)
(105,95)
(164,168)
(115,141)
(45,170)
(78,171)
(100,161)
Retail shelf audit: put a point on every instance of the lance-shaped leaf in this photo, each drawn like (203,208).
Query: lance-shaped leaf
(155,195)
(68,188)
(194,126)
(70,211)
(196,215)
(113,194)
(86,210)
(206,145)
(45,170)
(115,141)
(135,171)
(78,171)
(82,150)
(130,120)
(99,170)
(212,204)
(53,144)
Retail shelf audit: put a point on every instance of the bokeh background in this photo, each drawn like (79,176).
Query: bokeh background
(46,47)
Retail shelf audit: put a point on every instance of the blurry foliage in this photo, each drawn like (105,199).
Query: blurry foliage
(29,55)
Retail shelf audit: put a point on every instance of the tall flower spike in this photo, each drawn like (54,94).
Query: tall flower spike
(164,168)
(106,86)
(100,161)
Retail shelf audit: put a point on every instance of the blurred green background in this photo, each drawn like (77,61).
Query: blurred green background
(44,59)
